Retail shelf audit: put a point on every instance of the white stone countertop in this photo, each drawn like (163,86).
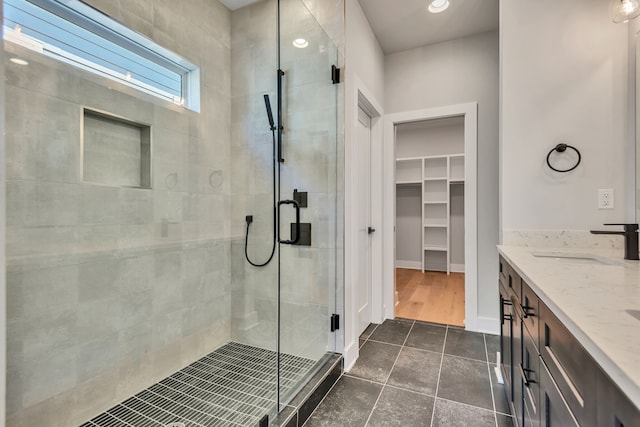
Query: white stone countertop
(592,301)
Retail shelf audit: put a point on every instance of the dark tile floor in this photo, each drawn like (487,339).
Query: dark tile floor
(412,373)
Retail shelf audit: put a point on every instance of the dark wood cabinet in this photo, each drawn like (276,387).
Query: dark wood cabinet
(614,409)
(550,379)
(516,362)
(506,326)
(573,370)
(514,284)
(554,410)
(530,374)
(530,305)
(512,342)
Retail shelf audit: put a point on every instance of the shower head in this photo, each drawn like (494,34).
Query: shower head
(267,104)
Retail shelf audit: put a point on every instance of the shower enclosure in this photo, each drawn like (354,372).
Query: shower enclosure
(130,300)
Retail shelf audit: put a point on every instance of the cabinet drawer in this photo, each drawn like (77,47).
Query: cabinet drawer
(529,371)
(514,284)
(503,271)
(530,312)
(506,326)
(516,360)
(614,409)
(554,410)
(570,366)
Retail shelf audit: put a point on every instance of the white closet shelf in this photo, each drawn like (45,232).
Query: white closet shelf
(436,175)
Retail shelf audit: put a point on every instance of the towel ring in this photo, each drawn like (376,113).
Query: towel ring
(561,148)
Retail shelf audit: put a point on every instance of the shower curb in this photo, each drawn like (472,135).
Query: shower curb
(298,411)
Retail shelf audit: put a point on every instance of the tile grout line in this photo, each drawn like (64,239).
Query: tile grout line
(368,336)
(390,371)
(465,404)
(493,399)
(435,400)
(388,385)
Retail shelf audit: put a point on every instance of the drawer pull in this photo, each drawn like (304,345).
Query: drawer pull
(523,374)
(504,316)
(565,376)
(525,311)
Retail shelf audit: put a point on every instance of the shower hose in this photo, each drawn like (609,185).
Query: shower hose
(246,239)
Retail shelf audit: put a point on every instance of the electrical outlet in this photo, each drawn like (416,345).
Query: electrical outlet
(605,198)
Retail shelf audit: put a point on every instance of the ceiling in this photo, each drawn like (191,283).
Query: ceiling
(399,28)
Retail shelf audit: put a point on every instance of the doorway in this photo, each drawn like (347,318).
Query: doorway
(434,177)
(429,240)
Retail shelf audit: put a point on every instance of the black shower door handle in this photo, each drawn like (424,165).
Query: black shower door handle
(297,208)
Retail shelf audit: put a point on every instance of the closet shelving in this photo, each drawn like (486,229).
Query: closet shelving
(435,175)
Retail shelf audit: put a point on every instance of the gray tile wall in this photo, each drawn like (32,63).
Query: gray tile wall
(110,288)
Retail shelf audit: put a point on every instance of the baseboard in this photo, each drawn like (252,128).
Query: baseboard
(412,265)
(351,355)
(457,268)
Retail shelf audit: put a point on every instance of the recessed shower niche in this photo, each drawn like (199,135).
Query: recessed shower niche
(115,151)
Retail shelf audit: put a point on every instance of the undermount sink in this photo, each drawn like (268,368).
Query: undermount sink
(575,258)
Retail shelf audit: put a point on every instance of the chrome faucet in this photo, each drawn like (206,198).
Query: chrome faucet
(630,234)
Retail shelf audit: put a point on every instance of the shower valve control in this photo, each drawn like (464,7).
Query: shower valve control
(301,197)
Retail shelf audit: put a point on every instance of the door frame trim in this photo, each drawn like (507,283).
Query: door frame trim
(470,113)
(362,97)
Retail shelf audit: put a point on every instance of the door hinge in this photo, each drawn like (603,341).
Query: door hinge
(335,75)
(335,322)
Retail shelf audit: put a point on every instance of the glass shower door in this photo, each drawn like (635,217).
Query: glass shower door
(308,174)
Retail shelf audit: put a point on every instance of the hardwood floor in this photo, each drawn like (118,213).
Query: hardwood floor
(430,296)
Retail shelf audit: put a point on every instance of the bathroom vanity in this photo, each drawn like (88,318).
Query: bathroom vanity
(570,337)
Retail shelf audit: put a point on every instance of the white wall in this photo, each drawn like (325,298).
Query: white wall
(364,68)
(564,78)
(415,140)
(460,71)
(364,56)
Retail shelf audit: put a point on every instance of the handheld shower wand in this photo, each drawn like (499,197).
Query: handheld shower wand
(249,218)
(267,104)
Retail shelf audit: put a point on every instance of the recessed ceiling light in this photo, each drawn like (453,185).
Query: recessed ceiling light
(300,43)
(438,6)
(625,10)
(19,61)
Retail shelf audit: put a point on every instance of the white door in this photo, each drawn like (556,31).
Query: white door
(363,215)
